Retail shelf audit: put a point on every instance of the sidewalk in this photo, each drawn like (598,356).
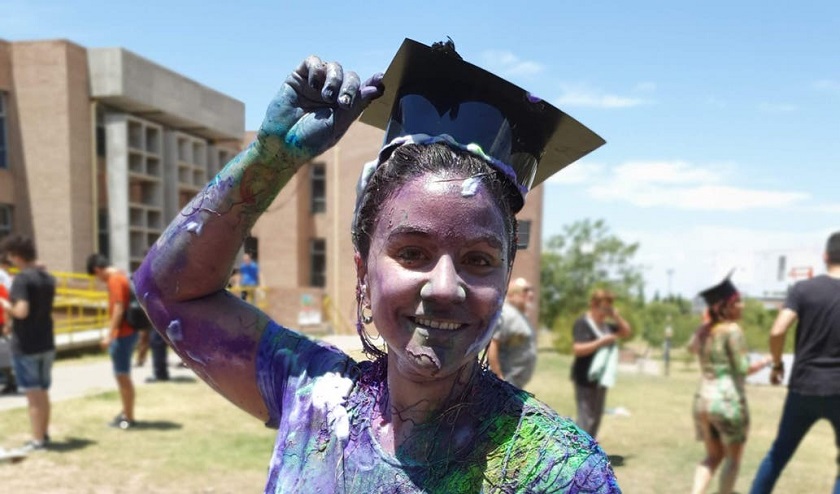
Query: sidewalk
(74,380)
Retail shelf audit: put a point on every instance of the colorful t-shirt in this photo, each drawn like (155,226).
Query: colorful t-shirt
(321,401)
(118,291)
(721,396)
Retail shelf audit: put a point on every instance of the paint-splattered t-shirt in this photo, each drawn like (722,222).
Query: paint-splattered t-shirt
(321,401)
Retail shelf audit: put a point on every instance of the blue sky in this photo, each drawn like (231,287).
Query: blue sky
(722,119)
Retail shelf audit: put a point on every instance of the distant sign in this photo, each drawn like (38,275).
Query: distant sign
(310,311)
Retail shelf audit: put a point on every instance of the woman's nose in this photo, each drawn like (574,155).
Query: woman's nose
(444,284)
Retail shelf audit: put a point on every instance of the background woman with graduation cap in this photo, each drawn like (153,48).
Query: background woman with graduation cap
(721,416)
(434,232)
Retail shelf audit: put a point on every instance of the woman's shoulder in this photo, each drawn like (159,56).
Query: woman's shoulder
(549,450)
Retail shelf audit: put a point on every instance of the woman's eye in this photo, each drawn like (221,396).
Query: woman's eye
(480,260)
(410,255)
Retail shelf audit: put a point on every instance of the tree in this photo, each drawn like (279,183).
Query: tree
(584,257)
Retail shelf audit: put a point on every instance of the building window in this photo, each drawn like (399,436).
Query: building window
(318,179)
(4,161)
(104,233)
(523,234)
(5,220)
(318,262)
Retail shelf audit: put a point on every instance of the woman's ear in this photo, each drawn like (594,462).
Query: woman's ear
(361,272)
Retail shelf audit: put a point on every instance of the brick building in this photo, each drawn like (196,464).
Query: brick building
(100,148)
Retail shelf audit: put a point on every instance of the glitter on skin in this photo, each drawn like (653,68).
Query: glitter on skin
(173,331)
(470,186)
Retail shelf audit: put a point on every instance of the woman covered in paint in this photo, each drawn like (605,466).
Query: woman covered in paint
(720,410)
(434,232)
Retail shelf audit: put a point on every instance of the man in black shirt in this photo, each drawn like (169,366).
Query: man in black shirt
(30,305)
(814,385)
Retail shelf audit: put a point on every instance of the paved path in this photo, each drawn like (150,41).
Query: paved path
(75,379)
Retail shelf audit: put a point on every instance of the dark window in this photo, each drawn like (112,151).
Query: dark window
(318,178)
(4,162)
(318,262)
(5,220)
(523,234)
(100,140)
(104,236)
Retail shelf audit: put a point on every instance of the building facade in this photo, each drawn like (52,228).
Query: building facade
(100,148)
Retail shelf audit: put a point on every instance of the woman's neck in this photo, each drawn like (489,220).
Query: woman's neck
(596,317)
(410,403)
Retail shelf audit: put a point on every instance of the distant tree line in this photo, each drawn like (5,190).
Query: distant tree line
(587,256)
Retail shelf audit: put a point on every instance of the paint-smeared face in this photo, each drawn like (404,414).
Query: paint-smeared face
(436,274)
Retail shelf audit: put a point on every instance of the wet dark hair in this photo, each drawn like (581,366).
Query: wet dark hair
(21,246)
(413,160)
(407,163)
(832,248)
(96,261)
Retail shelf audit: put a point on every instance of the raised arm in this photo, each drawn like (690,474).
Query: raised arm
(182,281)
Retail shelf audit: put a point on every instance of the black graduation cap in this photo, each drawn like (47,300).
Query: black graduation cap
(431,90)
(720,292)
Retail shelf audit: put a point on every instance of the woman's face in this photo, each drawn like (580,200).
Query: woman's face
(735,309)
(436,274)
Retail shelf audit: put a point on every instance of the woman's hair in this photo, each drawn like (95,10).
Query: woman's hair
(719,311)
(407,163)
(414,160)
(601,295)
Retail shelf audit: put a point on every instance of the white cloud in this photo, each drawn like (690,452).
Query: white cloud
(777,107)
(509,65)
(827,85)
(698,256)
(582,96)
(579,172)
(646,87)
(828,208)
(677,184)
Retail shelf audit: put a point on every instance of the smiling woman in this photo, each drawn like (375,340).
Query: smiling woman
(434,231)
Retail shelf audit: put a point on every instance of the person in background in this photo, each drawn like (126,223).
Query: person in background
(30,306)
(9,382)
(142,347)
(434,232)
(249,277)
(599,328)
(120,337)
(721,417)
(668,334)
(814,384)
(512,353)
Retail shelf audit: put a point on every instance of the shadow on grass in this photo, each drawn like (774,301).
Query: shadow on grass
(70,444)
(156,425)
(183,379)
(173,379)
(619,460)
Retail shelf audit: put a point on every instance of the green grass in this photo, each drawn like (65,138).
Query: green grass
(193,441)
(657,441)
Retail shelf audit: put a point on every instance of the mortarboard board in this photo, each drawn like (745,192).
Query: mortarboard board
(434,92)
(722,291)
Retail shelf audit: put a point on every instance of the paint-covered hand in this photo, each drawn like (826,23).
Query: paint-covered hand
(313,109)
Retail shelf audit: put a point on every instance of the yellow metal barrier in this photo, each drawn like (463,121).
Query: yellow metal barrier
(81,303)
(256,295)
